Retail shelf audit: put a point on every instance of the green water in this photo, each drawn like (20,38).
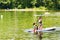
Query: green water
(13,24)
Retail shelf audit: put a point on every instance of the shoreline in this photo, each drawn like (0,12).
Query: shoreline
(25,10)
(21,10)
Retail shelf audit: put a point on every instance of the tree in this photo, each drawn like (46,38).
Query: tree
(39,3)
(56,4)
(11,4)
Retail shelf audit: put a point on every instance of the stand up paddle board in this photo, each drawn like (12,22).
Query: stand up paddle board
(43,30)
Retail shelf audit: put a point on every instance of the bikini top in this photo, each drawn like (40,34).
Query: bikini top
(40,21)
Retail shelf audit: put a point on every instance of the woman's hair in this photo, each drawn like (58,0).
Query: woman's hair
(40,17)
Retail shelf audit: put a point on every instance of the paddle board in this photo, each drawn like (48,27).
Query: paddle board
(43,30)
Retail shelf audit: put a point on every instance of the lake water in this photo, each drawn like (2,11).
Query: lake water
(13,24)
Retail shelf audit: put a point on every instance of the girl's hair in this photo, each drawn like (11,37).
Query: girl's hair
(34,23)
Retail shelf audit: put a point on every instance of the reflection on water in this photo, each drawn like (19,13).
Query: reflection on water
(55,35)
(40,35)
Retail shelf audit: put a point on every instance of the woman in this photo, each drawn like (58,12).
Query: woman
(40,23)
(40,27)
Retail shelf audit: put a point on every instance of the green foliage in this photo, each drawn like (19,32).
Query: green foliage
(39,3)
(56,4)
(7,5)
(49,4)
(25,3)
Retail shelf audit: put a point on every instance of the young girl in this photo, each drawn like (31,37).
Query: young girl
(35,27)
